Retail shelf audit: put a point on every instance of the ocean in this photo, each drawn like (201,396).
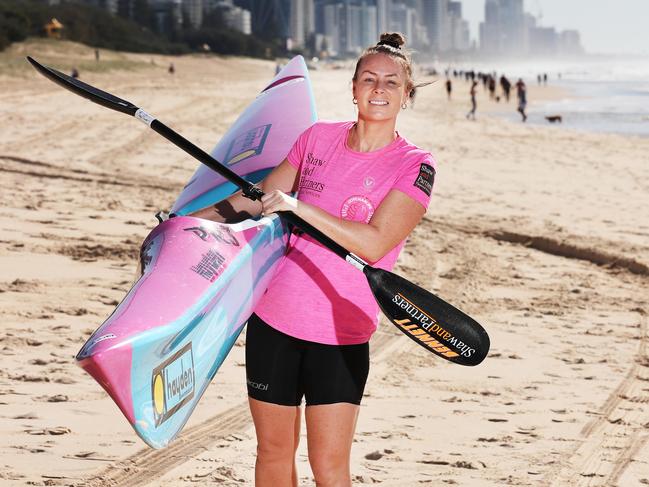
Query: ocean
(609,95)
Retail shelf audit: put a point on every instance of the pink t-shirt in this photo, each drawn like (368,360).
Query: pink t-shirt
(316,295)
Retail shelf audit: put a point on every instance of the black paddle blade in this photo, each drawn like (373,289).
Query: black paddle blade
(84,89)
(430,321)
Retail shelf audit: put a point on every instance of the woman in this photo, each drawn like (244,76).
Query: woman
(366,187)
(521,92)
(474,105)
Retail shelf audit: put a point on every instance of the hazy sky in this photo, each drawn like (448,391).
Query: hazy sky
(606,26)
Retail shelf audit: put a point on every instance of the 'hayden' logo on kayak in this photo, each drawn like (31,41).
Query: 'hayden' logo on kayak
(172,384)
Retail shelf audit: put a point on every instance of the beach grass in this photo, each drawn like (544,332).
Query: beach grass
(64,56)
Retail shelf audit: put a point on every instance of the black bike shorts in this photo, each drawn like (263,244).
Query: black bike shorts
(280,369)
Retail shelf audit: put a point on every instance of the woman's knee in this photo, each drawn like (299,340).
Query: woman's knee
(276,449)
(329,468)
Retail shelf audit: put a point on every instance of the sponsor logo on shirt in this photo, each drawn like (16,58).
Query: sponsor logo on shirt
(357,208)
(368,183)
(314,161)
(311,185)
(308,181)
(425,179)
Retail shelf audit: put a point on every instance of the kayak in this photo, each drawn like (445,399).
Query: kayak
(199,281)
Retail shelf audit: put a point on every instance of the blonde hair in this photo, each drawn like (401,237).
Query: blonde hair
(390,44)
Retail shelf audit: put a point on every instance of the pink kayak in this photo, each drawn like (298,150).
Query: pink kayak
(200,281)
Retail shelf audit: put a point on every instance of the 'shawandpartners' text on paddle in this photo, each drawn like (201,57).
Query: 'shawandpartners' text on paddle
(430,321)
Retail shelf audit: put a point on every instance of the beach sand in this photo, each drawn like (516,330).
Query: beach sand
(540,233)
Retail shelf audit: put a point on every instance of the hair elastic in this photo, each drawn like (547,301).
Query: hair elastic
(389,43)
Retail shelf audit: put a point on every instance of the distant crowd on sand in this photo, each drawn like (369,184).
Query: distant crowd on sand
(499,88)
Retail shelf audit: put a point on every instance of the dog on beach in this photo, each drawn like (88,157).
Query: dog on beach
(554,118)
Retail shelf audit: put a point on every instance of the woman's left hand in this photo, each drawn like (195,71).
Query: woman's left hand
(276,201)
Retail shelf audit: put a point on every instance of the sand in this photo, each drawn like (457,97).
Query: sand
(540,233)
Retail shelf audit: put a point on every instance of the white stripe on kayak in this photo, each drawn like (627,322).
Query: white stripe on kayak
(250,223)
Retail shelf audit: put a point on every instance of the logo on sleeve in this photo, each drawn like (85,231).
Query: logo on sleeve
(425,179)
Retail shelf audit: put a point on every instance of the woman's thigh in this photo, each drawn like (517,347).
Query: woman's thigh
(330,431)
(277,428)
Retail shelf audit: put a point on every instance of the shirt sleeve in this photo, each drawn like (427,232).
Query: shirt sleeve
(297,152)
(417,180)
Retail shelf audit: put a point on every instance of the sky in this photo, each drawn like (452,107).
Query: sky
(606,26)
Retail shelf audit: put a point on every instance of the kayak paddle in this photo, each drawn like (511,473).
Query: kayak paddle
(428,320)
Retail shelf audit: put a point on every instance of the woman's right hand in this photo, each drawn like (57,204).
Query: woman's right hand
(276,201)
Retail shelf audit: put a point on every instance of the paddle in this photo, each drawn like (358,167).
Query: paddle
(422,316)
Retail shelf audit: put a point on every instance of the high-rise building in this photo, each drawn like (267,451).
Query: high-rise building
(193,10)
(570,43)
(302,21)
(369,25)
(402,20)
(383,8)
(332,30)
(459,35)
(167,15)
(544,41)
(110,5)
(490,29)
(512,24)
(436,20)
(239,19)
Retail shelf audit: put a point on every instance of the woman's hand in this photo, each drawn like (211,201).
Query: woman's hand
(276,201)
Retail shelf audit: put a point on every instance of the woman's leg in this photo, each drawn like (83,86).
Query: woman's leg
(330,431)
(278,435)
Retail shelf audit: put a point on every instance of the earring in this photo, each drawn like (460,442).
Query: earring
(354,101)
(404,106)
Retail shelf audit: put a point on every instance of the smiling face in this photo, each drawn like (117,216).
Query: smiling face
(381,87)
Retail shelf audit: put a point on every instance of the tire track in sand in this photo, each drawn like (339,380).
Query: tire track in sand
(611,441)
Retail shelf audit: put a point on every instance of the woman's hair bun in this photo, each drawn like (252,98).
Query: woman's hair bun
(395,39)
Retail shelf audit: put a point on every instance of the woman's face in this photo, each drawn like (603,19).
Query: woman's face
(380,88)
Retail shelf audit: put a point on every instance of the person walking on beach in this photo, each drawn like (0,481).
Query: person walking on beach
(449,88)
(474,105)
(491,81)
(506,86)
(365,186)
(521,93)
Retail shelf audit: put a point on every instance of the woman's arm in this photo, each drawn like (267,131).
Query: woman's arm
(394,219)
(237,208)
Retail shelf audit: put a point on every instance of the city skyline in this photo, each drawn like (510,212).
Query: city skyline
(623,20)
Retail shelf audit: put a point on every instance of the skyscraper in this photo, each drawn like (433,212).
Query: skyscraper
(369,24)
(435,14)
(383,15)
(459,35)
(193,9)
(332,31)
